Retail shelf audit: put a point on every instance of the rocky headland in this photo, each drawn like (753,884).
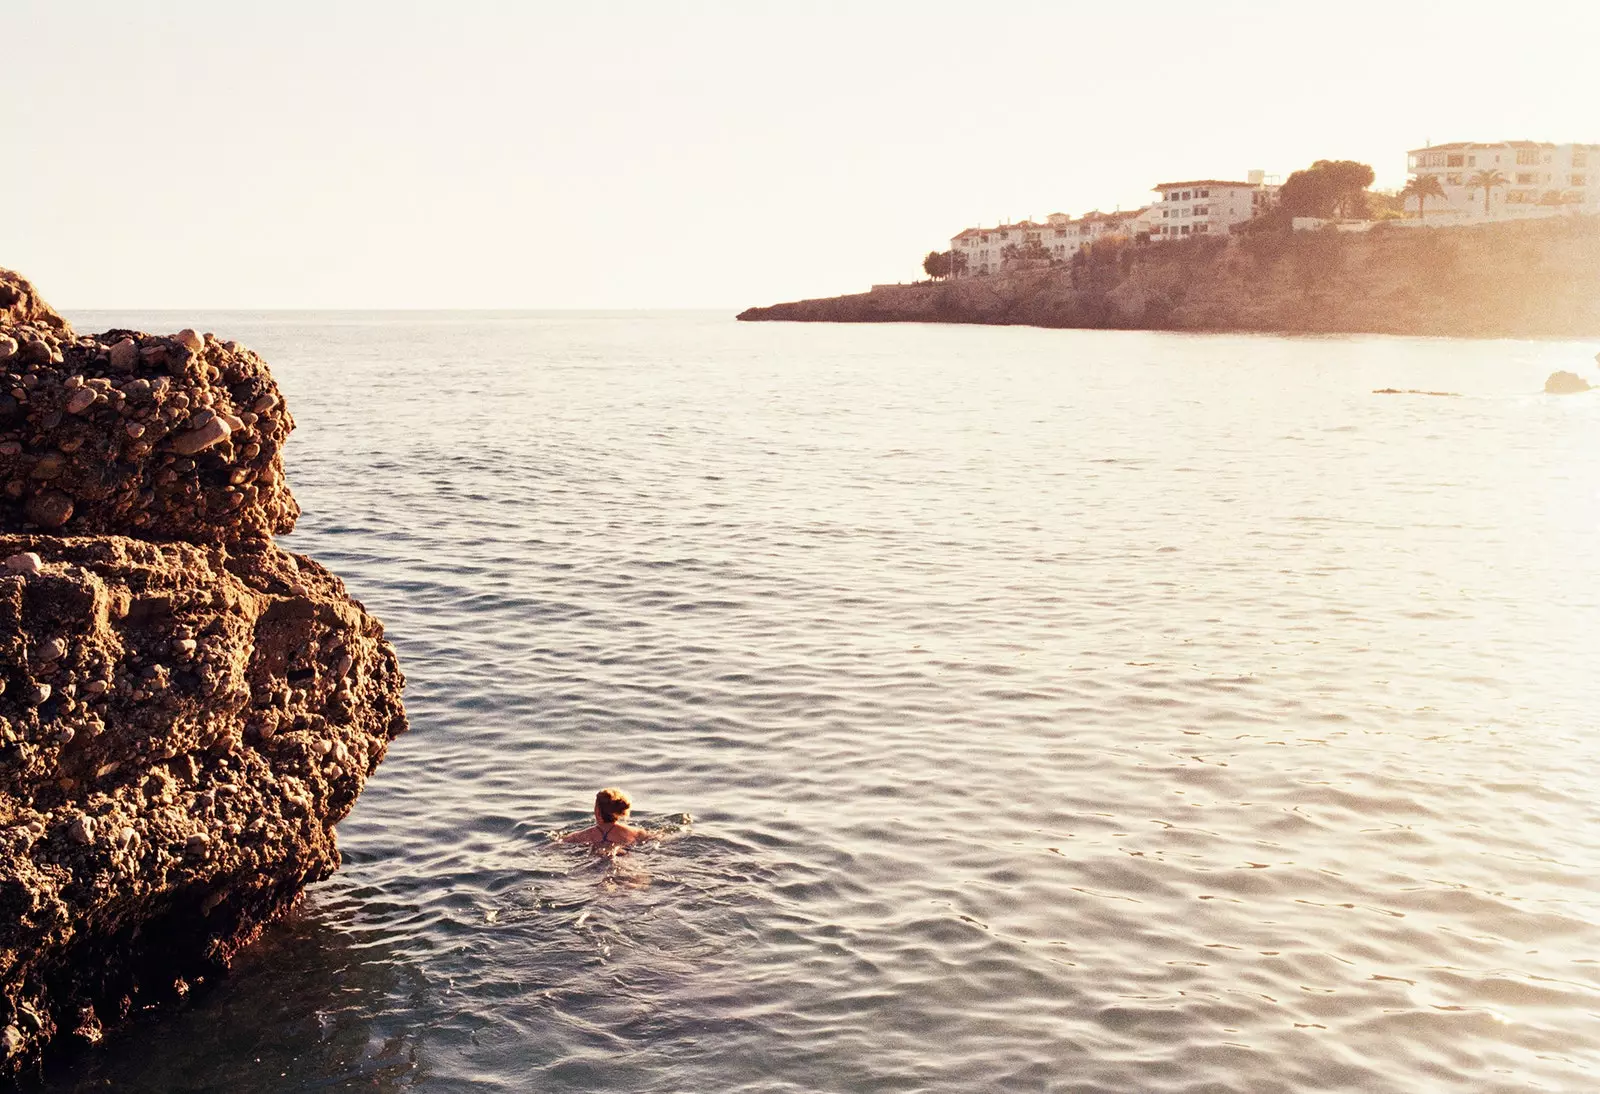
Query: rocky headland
(1519,280)
(186,709)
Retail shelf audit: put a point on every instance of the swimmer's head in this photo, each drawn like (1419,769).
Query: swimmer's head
(611,804)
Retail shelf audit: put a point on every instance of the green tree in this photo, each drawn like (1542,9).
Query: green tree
(1327,189)
(1422,188)
(1488,180)
(937,264)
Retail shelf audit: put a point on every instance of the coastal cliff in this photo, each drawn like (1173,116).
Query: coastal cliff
(1530,279)
(186,709)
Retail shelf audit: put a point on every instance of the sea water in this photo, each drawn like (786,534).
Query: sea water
(1032,711)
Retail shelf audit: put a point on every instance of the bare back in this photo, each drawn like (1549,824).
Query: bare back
(608,838)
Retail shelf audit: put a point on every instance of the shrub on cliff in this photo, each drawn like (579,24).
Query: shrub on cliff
(1327,189)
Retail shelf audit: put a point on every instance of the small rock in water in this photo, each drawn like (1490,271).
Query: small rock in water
(188,338)
(8,349)
(1565,383)
(10,1042)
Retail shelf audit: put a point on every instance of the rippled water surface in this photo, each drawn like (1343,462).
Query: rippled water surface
(1057,711)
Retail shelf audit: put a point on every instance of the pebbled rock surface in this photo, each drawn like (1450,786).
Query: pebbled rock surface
(168,437)
(186,709)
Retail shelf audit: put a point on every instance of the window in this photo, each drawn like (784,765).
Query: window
(1455,159)
(1201,210)
(1201,227)
(1203,194)
(1472,161)
(1525,178)
(1187,194)
(1527,156)
(1579,180)
(1185,229)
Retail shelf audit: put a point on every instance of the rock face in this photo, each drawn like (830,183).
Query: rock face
(1533,279)
(184,715)
(174,437)
(21,305)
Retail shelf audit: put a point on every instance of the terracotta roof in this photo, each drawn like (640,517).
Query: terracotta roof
(1457,146)
(1205,182)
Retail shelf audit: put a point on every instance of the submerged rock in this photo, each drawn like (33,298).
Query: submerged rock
(186,709)
(1565,383)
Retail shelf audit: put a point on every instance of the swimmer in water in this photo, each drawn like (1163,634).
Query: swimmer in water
(609,833)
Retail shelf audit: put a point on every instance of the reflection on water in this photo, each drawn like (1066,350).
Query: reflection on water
(1070,711)
(317,1003)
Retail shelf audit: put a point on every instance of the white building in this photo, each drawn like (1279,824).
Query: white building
(1208,206)
(1539,179)
(1059,238)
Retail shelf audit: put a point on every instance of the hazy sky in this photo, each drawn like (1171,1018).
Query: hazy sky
(659,154)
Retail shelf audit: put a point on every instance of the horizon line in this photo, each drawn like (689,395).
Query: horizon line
(395,310)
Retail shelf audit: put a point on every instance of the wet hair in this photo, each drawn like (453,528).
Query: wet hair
(611,803)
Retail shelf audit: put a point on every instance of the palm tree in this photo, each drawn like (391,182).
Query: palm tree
(1422,188)
(1488,180)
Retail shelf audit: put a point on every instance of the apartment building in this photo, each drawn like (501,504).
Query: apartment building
(1059,237)
(1208,206)
(1539,178)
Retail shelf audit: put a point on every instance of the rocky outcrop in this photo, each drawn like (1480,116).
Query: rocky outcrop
(186,709)
(1565,383)
(1531,279)
(20,305)
(174,437)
